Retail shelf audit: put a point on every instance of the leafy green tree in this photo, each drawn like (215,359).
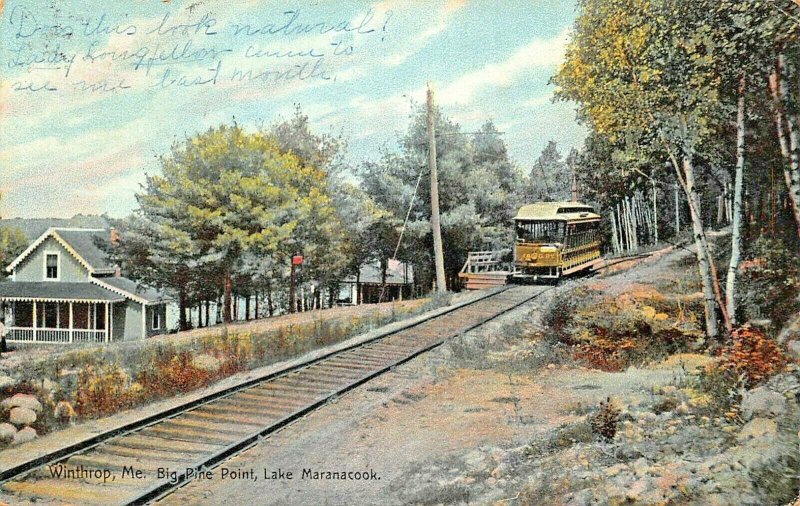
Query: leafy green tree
(477,194)
(322,240)
(159,253)
(646,72)
(550,177)
(12,243)
(227,194)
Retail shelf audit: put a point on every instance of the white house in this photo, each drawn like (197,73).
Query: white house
(62,289)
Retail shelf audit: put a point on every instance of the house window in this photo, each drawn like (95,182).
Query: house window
(51,266)
(156,319)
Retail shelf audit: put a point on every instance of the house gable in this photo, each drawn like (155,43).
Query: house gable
(32,267)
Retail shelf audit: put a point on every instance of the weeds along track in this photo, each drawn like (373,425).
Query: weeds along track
(202,434)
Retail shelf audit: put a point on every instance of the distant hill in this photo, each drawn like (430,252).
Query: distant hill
(34,227)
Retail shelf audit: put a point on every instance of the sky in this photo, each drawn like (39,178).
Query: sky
(93,92)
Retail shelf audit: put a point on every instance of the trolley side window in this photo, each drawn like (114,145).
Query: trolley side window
(540,231)
(581,233)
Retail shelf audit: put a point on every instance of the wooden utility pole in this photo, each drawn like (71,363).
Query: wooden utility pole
(438,254)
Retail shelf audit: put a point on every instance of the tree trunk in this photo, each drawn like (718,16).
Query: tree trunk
(358,287)
(702,248)
(677,213)
(614,239)
(729,205)
(631,224)
(247,307)
(655,213)
(384,266)
(182,309)
(791,168)
(208,312)
(256,316)
(227,317)
(270,302)
(736,240)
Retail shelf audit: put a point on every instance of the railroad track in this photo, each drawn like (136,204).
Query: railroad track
(200,435)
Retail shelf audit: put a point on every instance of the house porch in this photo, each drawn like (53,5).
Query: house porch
(43,321)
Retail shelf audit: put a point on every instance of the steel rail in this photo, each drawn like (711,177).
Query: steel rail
(80,447)
(161,490)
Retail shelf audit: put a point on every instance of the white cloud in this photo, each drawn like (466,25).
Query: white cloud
(537,53)
(537,101)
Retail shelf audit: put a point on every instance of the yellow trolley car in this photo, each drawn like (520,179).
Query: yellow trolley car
(555,239)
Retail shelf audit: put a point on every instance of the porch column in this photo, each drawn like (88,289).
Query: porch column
(71,326)
(111,319)
(144,321)
(106,321)
(35,311)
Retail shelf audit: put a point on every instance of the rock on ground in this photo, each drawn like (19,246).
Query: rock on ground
(7,432)
(22,401)
(763,402)
(25,435)
(22,416)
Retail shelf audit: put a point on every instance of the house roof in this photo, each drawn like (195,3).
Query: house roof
(561,211)
(81,243)
(56,292)
(132,290)
(86,242)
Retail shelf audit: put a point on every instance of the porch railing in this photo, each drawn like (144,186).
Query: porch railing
(45,335)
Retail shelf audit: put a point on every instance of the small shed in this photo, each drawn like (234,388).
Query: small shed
(367,287)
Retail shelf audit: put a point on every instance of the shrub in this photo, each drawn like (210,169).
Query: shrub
(173,373)
(604,354)
(605,420)
(101,390)
(559,315)
(752,356)
(723,387)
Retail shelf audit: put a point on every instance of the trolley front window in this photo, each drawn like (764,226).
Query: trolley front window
(540,231)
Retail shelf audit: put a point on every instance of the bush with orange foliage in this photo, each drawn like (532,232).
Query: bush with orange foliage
(605,354)
(173,373)
(102,390)
(752,356)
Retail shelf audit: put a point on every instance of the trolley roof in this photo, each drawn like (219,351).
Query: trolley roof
(559,211)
